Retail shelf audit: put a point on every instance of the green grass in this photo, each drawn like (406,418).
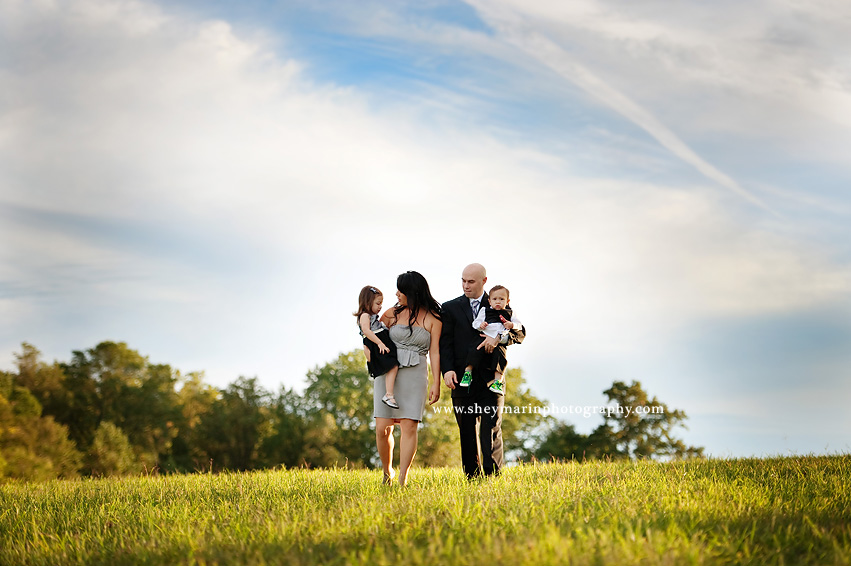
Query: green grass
(773,511)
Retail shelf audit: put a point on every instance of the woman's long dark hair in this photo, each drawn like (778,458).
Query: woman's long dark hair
(415,288)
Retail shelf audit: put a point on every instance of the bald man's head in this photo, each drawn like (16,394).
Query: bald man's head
(473,280)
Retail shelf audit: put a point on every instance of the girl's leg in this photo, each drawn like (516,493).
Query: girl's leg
(407,449)
(390,380)
(384,442)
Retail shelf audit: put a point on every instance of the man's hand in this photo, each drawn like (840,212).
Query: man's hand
(450,379)
(488,343)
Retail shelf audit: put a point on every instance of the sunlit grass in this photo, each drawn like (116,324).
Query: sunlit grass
(773,511)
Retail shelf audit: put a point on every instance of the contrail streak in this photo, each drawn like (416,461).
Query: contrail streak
(553,56)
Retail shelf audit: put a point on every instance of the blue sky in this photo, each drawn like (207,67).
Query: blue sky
(213,182)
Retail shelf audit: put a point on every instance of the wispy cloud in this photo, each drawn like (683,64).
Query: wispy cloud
(771,71)
(514,30)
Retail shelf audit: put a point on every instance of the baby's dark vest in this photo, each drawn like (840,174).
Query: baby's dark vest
(492,315)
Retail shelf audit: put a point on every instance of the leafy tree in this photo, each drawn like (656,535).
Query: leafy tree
(646,431)
(196,399)
(602,443)
(232,432)
(522,430)
(320,448)
(285,444)
(45,382)
(438,439)
(67,401)
(114,383)
(103,374)
(79,407)
(111,452)
(298,435)
(32,447)
(342,389)
(562,442)
(151,409)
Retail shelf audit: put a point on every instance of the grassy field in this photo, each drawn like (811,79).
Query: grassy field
(774,511)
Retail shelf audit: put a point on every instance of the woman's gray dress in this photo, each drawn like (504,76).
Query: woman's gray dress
(411,380)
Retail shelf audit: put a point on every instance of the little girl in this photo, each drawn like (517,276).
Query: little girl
(382,358)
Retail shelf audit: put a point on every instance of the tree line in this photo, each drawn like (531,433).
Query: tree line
(110,411)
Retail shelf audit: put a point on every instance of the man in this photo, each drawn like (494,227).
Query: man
(478,411)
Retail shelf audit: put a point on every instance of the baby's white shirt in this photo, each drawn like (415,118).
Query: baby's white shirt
(495,329)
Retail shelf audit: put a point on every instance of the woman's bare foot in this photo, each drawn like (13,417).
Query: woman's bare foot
(388,477)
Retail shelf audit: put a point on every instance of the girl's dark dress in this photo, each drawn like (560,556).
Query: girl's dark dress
(379,363)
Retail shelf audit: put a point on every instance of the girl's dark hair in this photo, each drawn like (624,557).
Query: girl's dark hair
(497,288)
(415,288)
(366,298)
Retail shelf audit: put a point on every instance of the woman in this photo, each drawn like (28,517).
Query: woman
(415,326)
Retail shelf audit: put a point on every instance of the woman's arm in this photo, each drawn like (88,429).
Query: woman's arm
(434,359)
(389,317)
(367,331)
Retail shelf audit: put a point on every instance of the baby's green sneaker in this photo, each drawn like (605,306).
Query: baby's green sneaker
(467,379)
(497,387)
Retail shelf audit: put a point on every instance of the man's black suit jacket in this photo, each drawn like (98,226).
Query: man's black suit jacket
(459,337)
